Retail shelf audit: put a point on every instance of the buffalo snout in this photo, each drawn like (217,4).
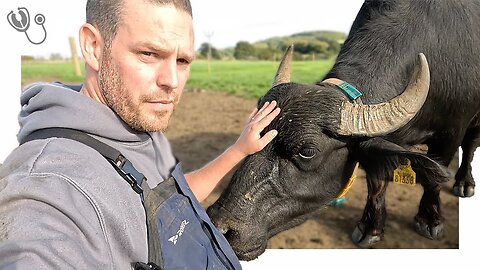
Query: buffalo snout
(246,237)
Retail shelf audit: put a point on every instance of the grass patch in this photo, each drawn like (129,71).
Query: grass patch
(62,71)
(249,79)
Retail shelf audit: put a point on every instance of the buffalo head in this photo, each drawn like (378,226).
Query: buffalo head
(312,158)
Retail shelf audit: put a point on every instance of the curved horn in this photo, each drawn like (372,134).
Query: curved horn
(284,72)
(384,118)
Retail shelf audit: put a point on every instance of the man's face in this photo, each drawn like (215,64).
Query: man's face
(143,75)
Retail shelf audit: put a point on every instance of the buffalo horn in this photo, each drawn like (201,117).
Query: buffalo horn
(284,72)
(384,118)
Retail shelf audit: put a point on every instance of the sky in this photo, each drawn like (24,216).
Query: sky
(226,22)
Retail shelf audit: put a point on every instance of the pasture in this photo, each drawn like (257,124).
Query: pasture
(248,79)
(210,117)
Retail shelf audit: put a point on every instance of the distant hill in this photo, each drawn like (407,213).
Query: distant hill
(320,44)
(339,37)
(308,45)
(322,34)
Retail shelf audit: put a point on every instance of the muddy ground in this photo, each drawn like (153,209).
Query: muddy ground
(206,123)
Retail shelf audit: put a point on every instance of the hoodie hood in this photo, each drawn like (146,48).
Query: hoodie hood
(47,105)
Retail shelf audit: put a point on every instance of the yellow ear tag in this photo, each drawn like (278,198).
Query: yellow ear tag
(404,174)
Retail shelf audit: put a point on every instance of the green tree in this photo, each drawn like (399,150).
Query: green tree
(333,46)
(244,50)
(204,47)
(266,54)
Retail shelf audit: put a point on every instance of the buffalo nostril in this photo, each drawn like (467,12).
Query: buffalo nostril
(229,234)
(223,229)
(226,230)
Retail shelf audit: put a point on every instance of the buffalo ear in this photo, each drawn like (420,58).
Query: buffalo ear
(380,158)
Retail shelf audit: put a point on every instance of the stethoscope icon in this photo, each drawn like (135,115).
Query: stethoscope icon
(22,24)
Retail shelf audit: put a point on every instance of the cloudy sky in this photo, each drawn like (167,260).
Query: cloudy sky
(225,21)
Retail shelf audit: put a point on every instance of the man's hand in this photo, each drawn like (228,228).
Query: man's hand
(204,180)
(250,140)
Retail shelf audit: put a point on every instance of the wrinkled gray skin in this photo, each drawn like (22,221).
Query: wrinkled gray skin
(311,159)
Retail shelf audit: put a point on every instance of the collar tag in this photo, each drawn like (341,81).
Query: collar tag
(348,89)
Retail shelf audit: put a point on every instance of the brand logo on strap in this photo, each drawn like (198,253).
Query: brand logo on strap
(179,233)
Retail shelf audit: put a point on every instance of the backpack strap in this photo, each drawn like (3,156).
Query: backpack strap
(119,162)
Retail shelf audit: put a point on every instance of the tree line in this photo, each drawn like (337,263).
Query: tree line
(307,46)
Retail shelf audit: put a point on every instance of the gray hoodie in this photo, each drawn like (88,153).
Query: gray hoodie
(62,205)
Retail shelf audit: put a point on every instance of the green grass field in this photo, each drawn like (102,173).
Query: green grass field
(249,79)
(49,72)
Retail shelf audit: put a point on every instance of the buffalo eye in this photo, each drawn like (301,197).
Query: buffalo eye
(307,153)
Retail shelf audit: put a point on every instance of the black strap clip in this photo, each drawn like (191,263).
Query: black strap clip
(146,266)
(125,168)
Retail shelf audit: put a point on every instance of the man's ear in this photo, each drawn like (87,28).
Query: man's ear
(91,44)
(380,158)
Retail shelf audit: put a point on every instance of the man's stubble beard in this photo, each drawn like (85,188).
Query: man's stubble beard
(117,97)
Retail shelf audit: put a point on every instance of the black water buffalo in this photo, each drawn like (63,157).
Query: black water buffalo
(324,130)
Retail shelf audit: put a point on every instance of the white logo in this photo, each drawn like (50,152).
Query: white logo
(179,233)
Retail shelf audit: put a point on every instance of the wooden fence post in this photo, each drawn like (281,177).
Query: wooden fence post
(73,49)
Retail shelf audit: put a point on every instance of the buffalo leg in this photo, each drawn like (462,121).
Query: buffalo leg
(429,220)
(369,229)
(464,183)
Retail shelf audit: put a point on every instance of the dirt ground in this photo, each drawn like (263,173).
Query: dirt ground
(206,123)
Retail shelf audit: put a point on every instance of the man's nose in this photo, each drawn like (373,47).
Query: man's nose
(168,75)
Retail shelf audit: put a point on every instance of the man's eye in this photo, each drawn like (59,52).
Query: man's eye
(183,61)
(148,54)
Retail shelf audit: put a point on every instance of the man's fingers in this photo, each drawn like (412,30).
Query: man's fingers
(267,108)
(250,139)
(265,121)
(257,116)
(251,116)
(267,138)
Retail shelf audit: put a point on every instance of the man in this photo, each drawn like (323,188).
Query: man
(62,205)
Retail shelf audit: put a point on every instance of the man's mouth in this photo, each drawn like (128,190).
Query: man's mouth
(163,101)
(161,104)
